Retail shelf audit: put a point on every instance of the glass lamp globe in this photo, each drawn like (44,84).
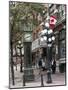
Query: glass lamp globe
(45,31)
(49,39)
(51,31)
(19,42)
(41,39)
(45,38)
(47,25)
(21,45)
(43,11)
(53,38)
(42,32)
(49,45)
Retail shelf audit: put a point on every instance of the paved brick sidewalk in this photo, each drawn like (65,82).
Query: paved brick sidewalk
(57,79)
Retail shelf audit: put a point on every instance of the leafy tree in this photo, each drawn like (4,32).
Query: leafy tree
(27,12)
(21,13)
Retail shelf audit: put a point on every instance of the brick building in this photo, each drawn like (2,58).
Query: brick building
(59,47)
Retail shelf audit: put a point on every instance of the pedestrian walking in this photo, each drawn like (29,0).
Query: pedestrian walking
(53,66)
(40,63)
(43,65)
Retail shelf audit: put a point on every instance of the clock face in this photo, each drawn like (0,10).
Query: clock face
(28,37)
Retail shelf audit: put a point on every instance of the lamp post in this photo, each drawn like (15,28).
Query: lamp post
(47,36)
(20,47)
(16,57)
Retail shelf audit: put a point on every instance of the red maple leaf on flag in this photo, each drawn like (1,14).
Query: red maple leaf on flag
(52,22)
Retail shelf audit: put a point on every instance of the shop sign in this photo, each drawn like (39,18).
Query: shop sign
(43,43)
(38,44)
(35,44)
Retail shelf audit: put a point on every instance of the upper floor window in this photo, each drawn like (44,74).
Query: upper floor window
(63,10)
(62,34)
(62,49)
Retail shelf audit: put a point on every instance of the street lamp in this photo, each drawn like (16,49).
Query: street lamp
(47,36)
(20,46)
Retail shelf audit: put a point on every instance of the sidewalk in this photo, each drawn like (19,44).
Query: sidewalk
(57,79)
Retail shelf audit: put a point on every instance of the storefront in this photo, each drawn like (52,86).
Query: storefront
(62,50)
(60,45)
(38,50)
(35,51)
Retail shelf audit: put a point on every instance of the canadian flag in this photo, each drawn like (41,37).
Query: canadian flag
(52,21)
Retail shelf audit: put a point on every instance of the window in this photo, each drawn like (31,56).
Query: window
(62,34)
(62,49)
(63,10)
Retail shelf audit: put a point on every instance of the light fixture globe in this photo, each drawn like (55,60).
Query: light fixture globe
(19,42)
(42,32)
(45,31)
(43,11)
(49,45)
(51,31)
(49,39)
(53,38)
(41,39)
(47,25)
(21,45)
(45,38)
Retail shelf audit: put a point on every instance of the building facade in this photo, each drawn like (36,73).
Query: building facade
(59,47)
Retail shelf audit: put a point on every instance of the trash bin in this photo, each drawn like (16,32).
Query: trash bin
(62,67)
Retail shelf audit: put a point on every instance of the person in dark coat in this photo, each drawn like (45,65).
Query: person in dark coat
(53,66)
(40,63)
(43,65)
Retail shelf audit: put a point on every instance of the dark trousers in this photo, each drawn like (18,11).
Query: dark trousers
(53,69)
